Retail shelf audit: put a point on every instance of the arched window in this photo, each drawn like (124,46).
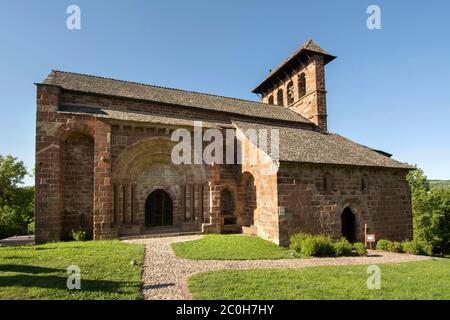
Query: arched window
(363,185)
(280,97)
(328,182)
(270,99)
(290,93)
(301,85)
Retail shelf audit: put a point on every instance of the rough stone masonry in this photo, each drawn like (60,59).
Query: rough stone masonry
(103,162)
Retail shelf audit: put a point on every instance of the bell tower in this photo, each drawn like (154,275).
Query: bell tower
(299,83)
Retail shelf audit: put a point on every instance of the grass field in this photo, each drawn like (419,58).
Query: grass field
(229,247)
(40,272)
(412,280)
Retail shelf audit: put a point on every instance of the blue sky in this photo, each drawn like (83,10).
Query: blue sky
(388,89)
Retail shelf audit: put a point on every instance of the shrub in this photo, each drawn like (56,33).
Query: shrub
(296,241)
(309,247)
(383,245)
(326,248)
(418,247)
(317,246)
(342,247)
(395,247)
(412,247)
(9,222)
(30,227)
(426,248)
(360,248)
(79,235)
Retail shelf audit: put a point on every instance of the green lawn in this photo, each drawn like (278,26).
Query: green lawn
(412,280)
(229,247)
(40,272)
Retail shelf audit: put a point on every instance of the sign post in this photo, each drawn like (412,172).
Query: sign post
(368,237)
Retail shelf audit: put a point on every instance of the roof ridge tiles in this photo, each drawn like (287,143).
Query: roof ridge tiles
(163,87)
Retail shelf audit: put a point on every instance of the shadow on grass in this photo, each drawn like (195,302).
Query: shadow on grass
(27,269)
(157,286)
(57,282)
(17,258)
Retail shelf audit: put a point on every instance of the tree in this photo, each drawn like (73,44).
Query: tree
(431,212)
(16,203)
(12,173)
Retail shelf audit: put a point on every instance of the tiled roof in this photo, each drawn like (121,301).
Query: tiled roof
(136,116)
(298,145)
(132,90)
(309,45)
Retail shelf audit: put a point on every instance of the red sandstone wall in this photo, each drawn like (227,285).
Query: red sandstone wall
(78,183)
(383,203)
(52,199)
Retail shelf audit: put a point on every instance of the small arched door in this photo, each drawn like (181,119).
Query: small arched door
(348,225)
(158,209)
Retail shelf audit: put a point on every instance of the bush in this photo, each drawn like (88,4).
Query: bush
(317,246)
(418,247)
(9,222)
(307,245)
(296,241)
(412,247)
(426,248)
(30,227)
(342,247)
(360,248)
(383,245)
(79,235)
(395,247)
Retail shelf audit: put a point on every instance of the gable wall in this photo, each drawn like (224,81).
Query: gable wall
(383,203)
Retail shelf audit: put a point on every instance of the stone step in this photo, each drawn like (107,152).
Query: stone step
(231,228)
(160,235)
(129,229)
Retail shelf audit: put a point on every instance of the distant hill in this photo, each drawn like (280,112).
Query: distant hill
(440,184)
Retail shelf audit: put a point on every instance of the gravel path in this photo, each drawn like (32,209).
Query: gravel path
(165,275)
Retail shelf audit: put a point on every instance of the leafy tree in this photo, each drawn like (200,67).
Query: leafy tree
(431,212)
(12,173)
(16,203)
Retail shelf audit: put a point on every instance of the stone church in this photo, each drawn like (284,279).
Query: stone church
(103,162)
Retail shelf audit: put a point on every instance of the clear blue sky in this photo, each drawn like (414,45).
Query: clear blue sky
(388,89)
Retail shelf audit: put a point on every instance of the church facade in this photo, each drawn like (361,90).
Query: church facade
(104,162)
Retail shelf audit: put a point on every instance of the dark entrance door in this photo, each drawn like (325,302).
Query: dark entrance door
(158,209)
(348,224)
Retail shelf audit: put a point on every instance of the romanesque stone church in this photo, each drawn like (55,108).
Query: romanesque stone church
(103,162)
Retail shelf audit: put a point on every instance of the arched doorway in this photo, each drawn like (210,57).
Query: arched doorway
(227,207)
(248,198)
(158,209)
(348,224)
